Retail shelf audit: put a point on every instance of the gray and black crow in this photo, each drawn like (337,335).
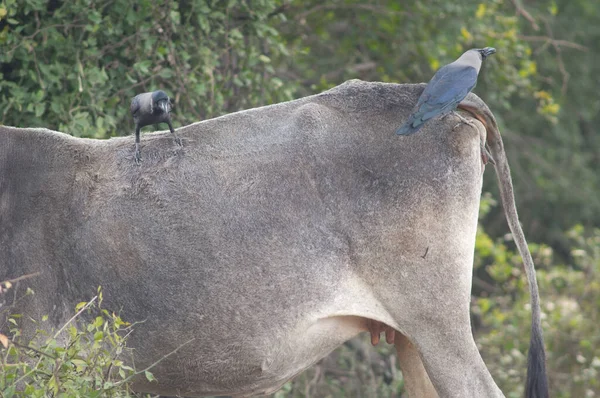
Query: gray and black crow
(450,85)
(446,89)
(147,109)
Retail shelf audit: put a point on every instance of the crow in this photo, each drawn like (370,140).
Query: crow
(446,89)
(450,85)
(147,109)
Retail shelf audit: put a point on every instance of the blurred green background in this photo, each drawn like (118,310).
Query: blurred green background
(73,66)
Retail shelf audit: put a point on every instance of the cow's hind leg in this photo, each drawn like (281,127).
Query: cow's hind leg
(416,380)
(452,360)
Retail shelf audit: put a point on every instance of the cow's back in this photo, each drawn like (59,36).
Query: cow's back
(265,241)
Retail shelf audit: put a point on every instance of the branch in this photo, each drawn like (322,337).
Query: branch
(26,347)
(525,14)
(75,316)
(554,42)
(561,65)
(20,278)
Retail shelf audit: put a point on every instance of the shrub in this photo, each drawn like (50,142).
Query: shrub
(81,359)
(570,299)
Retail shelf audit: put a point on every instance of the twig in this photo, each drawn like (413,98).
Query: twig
(561,65)
(526,15)
(554,42)
(166,356)
(115,355)
(75,316)
(26,347)
(20,278)
(126,380)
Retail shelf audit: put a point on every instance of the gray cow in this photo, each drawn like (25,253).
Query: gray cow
(273,236)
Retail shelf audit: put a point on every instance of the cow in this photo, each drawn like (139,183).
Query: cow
(271,237)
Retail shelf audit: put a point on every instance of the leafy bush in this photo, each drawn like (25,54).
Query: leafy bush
(78,360)
(75,65)
(570,299)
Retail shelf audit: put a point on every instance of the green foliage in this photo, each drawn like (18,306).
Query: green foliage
(74,65)
(82,359)
(570,297)
(405,42)
(550,138)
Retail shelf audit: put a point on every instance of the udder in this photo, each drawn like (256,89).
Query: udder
(307,346)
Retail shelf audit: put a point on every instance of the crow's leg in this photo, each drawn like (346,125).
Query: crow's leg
(463,120)
(138,153)
(486,156)
(177,139)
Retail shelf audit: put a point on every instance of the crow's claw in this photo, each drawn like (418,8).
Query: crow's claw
(138,155)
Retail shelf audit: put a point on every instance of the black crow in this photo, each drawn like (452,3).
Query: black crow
(150,108)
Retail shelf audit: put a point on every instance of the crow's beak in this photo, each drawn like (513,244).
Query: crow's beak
(487,52)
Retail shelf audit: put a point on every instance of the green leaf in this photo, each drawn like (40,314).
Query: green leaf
(39,109)
(143,66)
(81,364)
(9,391)
(149,376)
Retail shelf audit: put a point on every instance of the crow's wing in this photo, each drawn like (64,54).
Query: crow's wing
(445,90)
(135,105)
(452,83)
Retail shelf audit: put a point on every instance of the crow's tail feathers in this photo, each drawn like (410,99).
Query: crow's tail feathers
(409,127)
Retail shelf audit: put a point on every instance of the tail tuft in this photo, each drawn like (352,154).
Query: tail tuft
(537,379)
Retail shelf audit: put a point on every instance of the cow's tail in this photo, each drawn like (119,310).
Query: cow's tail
(537,379)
